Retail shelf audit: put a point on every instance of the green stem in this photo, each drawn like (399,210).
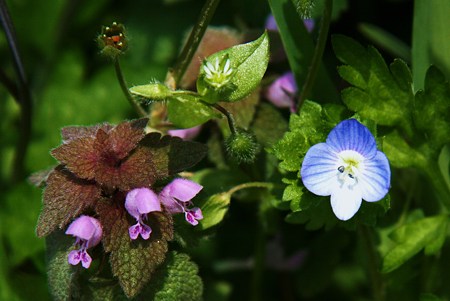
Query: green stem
(318,53)
(24,97)
(126,92)
(228,115)
(250,185)
(372,263)
(194,39)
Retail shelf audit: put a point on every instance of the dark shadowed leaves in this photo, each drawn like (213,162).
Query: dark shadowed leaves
(65,197)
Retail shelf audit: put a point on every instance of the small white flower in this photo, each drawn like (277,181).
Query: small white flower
(218,73)
(348,167)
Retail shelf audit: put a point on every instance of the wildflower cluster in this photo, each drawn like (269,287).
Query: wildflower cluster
(106,178)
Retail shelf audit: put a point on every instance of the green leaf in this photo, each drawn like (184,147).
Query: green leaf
(306,129)
(62,277)
(133,262)
(411,238)
(248,62)
(268,125)
(379,93)
(177,279)
(214,209)
(431,29)
(432,109)
(299,48)
(186,111)
(429,297)
(400,154)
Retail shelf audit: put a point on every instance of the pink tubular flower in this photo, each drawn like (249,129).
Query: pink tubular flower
(139,202)
(88,232)
(282,91)
(176,198)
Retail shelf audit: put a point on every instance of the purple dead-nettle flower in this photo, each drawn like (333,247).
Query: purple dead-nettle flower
(176,198)
(88,232)
(139,202)
(348,167)
(282,91)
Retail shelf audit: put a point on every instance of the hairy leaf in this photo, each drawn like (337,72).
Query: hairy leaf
(186,111)
(133,262)
(177,279)
(65,197)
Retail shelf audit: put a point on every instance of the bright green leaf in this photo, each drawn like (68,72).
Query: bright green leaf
(413,237)
(379,93)
(248,63)
(186,111)
(400,154)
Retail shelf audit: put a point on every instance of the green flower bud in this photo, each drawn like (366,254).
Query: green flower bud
(242,146)
(112,40)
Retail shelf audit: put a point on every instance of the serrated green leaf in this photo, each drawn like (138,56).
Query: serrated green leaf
(413,237)
(248,62)
(432,109)
(306,129)
(177,279)
(186,111)
(380,93)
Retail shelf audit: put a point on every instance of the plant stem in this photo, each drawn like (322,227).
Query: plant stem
(372,263)
(23,96)
(318,53)
(250,185)
(125,90)
(228,115)
(194,39)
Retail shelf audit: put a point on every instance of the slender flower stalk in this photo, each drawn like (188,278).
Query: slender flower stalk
(194,39)
(318,53)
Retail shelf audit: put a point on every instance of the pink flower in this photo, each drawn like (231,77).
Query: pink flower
(186,134)
(88,232)
(282,91)
(176,198)
(139,202)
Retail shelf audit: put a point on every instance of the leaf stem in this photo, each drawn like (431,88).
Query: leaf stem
(228,115)
(194,39)
(24,97)
(318,53)
(126,92)
(250,185)
(372,263)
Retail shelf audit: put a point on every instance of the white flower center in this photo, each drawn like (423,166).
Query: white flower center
(350,165)
(219,73)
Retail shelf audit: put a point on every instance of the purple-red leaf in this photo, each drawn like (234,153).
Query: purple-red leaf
(65,197)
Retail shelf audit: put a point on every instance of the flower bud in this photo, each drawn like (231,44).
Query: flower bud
(242,146)
(153,92)
(112,40)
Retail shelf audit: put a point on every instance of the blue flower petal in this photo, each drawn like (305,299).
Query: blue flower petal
(375,180)
(319,169)
(352,135)
(345,201)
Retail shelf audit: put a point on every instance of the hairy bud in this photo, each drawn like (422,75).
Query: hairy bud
(112,40)
(242,146)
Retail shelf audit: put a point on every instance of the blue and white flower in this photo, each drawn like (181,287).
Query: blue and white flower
(348,167)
